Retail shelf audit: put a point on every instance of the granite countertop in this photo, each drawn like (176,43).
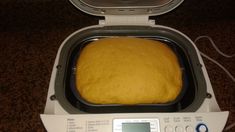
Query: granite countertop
(32,31)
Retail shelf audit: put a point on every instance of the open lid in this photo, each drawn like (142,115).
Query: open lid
(126,7)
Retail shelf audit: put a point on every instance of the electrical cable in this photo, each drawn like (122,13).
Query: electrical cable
(217,63)
(221,66)
(220,52)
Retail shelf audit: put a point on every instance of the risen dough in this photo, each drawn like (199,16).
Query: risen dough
(126,70)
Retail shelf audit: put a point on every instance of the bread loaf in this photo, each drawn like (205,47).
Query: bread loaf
(128,70)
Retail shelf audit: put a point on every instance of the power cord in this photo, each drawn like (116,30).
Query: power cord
(217,63)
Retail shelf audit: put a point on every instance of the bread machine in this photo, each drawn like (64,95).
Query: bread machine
(196,110)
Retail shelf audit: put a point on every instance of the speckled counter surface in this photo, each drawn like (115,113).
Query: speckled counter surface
(31,32)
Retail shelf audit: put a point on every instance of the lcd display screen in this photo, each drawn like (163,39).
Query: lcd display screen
(136,127)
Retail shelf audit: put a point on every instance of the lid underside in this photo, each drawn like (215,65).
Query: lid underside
(126,7)
(124,3)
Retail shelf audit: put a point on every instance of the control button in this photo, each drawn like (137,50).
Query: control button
(201,128)
(189,128)
(168,128)
(179,129)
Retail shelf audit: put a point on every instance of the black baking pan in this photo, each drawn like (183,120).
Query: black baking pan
(192,94)
(86,106)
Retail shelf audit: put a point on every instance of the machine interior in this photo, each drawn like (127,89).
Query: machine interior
(75,98)
(190,98)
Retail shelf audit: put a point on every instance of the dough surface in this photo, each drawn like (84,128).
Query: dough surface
(126,70)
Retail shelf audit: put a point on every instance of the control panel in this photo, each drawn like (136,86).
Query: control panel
(137,122)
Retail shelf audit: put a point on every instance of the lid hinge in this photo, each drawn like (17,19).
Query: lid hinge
(127,20)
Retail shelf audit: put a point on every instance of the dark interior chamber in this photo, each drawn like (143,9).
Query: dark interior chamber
(188,100)
(77,101)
